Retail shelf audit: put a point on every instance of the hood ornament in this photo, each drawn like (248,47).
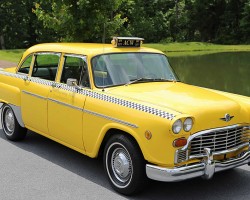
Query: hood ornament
(227,118)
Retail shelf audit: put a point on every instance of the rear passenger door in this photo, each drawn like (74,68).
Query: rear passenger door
(36,89)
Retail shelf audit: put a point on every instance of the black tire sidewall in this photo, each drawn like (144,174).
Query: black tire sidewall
(19,132)
(3,113)
(138,178)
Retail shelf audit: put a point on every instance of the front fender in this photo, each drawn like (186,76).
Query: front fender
(104,131)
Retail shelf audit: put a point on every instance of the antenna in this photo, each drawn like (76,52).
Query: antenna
(104,33)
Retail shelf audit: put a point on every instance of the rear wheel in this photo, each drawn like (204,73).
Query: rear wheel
(11,128)
(124,165)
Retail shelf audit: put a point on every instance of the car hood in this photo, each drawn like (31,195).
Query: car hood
(182,99)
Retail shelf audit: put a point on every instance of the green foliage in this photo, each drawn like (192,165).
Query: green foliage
(245,22)
(27,22)
(11,18)
(81,20)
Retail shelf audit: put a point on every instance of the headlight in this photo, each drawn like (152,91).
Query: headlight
(188,124)
(177,126)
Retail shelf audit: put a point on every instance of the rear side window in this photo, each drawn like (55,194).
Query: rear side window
(45,66)
(25,67)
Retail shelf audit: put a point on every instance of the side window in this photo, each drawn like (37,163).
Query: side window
(45,66)
(25,67)
(75,68)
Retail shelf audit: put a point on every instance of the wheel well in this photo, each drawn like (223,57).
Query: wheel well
(112,132)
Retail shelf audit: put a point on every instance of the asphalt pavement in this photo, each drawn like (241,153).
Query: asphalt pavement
(38,168)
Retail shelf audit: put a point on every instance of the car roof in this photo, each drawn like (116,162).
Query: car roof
(86,48)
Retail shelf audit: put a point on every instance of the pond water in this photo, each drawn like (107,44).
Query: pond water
(228,72)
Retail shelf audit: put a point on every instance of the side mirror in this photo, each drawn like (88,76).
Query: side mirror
(71,82)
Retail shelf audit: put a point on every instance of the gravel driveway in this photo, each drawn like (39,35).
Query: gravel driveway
(5,64)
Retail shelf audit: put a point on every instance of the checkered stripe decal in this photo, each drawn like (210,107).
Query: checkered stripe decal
(71,89)
(133,105)
(12,74)
(96,95)
(41,81)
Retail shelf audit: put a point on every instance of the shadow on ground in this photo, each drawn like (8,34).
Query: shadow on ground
(231,184)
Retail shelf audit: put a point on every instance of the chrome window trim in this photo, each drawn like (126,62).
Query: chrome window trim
(48,53)
(76,56)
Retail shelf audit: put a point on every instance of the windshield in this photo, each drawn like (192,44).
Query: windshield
(128,68)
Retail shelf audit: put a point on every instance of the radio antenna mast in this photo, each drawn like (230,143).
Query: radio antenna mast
(104,33)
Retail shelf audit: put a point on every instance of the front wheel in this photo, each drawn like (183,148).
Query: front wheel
(124,165)
(11,128)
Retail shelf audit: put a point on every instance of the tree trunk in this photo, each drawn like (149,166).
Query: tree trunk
(2,42)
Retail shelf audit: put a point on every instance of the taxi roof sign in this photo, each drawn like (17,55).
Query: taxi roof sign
(127,41)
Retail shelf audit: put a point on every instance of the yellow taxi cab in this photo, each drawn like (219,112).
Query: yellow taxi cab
(125,103)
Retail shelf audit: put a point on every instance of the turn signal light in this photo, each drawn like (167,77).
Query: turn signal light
(180,142)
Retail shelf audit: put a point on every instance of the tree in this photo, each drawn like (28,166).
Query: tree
(206,17)
(26,23)
(80,20)
(245,22)
(229,31)
(12,22)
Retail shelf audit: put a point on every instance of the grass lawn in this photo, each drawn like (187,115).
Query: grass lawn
(195,48)
(11,55)
(171,49)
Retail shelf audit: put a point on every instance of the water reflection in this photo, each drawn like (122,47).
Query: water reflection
(228,72)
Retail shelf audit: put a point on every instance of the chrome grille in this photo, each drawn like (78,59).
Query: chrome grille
(181,156)
(220,140)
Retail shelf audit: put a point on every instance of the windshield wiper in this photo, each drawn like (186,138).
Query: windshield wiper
(150,80)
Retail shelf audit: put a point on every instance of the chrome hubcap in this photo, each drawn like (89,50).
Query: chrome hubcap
(9,121)
(121,165)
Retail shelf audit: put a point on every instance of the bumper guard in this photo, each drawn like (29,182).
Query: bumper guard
(205,169)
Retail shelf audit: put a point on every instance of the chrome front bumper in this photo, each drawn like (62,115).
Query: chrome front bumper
(205,169)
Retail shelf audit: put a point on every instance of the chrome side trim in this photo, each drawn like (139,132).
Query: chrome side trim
(83,110)
(65,104)
(34,95)
(100,96)
(205,169)
(18,114)
(111,118)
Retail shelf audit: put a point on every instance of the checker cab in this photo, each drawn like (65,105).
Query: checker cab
(125,103)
